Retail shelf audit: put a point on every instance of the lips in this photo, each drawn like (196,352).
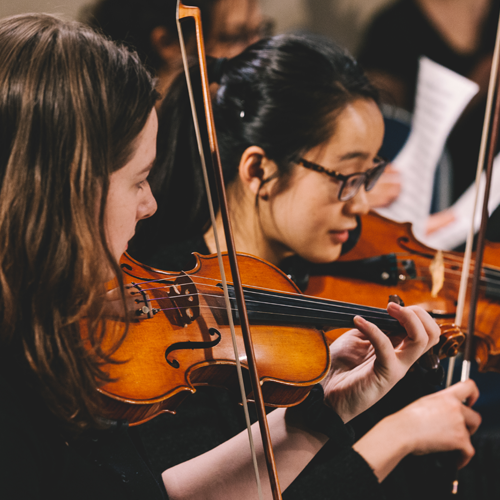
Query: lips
(339,236)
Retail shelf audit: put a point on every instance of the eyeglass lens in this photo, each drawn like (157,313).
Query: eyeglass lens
(373,176)
(353,183)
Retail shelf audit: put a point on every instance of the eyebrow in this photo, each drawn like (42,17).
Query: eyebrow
(145,169)
(354,154)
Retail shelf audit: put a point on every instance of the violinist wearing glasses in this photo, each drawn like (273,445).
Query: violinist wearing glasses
(299,130)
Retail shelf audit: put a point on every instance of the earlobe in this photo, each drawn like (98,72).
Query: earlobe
(254,169)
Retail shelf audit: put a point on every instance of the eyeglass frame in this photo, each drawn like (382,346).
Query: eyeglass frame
(343,178)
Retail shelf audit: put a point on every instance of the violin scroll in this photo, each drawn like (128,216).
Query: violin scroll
(450,341)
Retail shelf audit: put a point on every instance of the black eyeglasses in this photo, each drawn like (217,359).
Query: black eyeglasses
(350,184)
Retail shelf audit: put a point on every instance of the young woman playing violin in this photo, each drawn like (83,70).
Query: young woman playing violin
(299,130)
(74,164)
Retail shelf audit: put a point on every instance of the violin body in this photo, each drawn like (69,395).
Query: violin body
(187,343)
(183,338)
(408,275)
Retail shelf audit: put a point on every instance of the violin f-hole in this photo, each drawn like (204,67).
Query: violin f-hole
(192,345)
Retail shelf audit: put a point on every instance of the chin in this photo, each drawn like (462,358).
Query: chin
(330,254)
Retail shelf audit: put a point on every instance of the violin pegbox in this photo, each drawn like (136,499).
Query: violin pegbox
(184,295)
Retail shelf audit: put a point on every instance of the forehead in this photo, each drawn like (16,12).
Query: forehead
(144,151)
(358,132)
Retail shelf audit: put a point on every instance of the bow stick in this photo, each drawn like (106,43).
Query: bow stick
(488,141)
(185,12)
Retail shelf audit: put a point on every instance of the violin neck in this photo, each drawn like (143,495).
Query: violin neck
(270,307)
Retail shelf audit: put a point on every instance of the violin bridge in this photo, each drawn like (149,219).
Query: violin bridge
(437,273)
(184,295)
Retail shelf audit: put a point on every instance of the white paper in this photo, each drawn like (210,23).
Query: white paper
(441,97)
(455,233)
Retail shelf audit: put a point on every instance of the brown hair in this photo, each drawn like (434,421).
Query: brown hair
(71,106)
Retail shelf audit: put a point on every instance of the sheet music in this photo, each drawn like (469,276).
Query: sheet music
(455,234)
(441,97)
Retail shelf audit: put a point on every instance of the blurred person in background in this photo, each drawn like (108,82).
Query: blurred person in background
(149,27)
(458,34)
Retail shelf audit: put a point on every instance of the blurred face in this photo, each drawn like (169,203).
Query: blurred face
(306,217)
(129,197)
(236,25)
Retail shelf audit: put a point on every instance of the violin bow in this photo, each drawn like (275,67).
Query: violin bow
(185,12)
(488,142)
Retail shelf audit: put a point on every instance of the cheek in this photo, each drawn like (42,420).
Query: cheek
(304,219)
(120,221)
(312,234)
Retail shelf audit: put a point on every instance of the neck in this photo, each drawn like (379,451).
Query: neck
(248,233)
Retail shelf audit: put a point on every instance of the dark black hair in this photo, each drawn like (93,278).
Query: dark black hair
(132,21)
(281,94)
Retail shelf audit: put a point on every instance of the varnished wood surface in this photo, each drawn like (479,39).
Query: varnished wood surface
(290,359)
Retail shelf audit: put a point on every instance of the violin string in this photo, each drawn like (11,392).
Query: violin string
(298,296)
(488,272)
(453,272)
(483,288)
(352,308)
(418,267)
(455,269)
(390,321)
(453,278)
(382,314)
(294,297)
(449,275)
(454,260)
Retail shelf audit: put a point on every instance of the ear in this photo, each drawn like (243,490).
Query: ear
(164,44)
(255,168)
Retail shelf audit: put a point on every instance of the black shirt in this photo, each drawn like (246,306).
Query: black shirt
(38,463)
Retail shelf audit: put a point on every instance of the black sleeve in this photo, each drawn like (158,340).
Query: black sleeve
(337,471)
(336,474)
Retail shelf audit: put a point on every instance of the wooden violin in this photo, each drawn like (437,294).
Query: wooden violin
(388,259)
(184,340)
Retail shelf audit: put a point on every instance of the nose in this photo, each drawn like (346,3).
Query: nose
(148,205)
(358,205)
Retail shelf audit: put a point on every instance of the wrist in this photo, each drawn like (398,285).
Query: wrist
(402,432)
(385,445)
(314,415)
